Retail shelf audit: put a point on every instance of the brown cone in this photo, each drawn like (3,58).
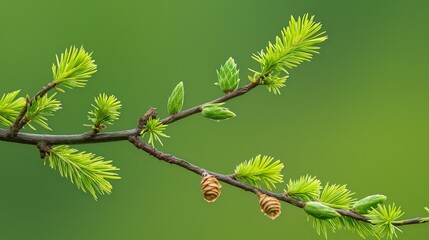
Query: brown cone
(270,206)
(210,187)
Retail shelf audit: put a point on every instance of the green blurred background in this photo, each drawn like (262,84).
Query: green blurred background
(357,114)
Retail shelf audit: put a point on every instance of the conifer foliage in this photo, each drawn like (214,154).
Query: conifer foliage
(330,207)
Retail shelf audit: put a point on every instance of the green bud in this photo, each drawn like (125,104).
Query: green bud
(320,210)
(216,112)
(175,101)
(365,204)
(228,76)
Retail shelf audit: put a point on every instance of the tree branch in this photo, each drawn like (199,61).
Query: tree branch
(231,181)
(34,139)
(71,139)
(44,141)
(198,170)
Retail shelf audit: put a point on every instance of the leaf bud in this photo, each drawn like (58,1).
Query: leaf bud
(320,210)
(270,206)
(175,101)
(216,112)
(365,204)
(210,187)
(228,76)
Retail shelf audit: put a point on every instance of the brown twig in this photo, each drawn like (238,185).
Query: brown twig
(416,220)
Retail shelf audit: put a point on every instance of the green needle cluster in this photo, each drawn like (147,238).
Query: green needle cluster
(88,171)
(73,68)
(260,170)
(155,129)
(105,111)
(10,106)
(297,43)
(40,109)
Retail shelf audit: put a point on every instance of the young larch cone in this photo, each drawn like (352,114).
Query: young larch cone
(210,187)
(270,206)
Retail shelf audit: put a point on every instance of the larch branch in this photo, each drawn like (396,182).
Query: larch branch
(70,139)
(44,141)
(169,158)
